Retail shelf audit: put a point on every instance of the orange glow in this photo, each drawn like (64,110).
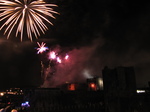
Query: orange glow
(2,94)
(92,86)
(71,87)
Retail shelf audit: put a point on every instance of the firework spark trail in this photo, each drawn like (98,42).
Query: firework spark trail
(44,72)
(41,48)
(29,14)
(56,62)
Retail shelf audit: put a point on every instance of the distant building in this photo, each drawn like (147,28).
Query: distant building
(119,88)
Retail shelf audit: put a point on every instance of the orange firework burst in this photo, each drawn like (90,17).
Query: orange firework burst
(25,16)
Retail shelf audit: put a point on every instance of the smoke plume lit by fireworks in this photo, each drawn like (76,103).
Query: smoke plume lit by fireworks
(25,17)
(69,66)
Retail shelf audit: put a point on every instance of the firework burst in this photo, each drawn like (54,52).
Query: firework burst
(25,16)
(41,48)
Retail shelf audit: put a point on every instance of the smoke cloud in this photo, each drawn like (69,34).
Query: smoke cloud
(73,70)
(89,60)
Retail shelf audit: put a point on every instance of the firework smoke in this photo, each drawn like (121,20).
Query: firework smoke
(70,67)
(88,61)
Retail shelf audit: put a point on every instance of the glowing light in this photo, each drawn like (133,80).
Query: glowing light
(41,48)
(66,57)
(26,104)
(92,86)
(25,16)
(55,56)
(140,91)
(72,87)
(52,55)
(58,60)
(1,94)
(100,82)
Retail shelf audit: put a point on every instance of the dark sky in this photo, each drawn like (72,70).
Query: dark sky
(95,33)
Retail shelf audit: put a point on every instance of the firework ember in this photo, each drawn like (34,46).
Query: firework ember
(52,55)
(66,57)
(41,48)
(58,60)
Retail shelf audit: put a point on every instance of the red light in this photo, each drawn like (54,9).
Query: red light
(92,86)
(71,87)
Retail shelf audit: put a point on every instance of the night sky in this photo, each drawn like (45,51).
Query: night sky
(95,34)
